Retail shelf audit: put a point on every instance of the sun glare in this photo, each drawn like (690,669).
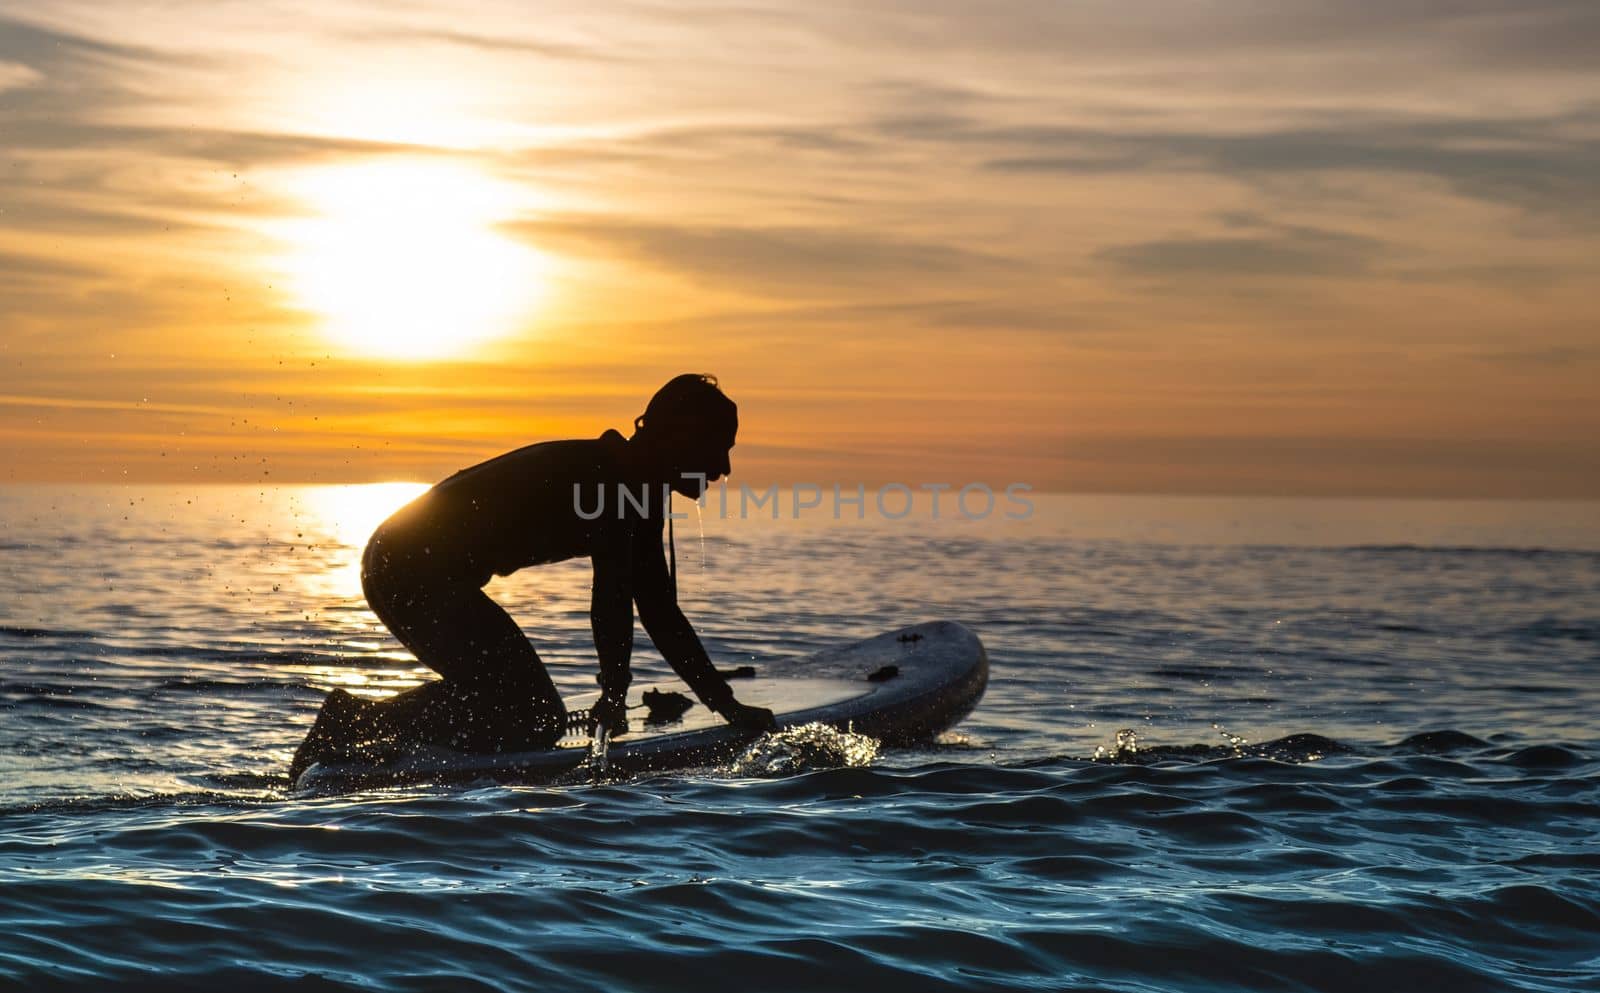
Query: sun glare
(401,260)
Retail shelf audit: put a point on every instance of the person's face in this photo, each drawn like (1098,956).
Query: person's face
(697,447)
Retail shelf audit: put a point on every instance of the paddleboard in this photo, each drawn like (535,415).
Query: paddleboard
(900,687)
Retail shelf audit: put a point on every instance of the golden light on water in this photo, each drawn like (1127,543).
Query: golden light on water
(401,259)
(349,514)
(342,518)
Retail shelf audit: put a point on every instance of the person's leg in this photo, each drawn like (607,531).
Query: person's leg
(495,694)
(330,733)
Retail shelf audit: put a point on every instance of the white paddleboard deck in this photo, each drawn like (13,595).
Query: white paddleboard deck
(901,687)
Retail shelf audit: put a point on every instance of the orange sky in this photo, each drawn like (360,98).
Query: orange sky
(1259,247)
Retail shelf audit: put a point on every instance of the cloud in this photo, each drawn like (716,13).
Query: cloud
(1485,34)
(1034,322)
(1540,164)
(81,86)
(754,138)
(14,75)
(76,167)
(1542,357)
(1292,252)
(58,217)
(32,285)
(120,406)
(69,75)
(498,44)
(30,44)
(1395,462)
(785,261)
(23,267)
(220,145)
(1524,276)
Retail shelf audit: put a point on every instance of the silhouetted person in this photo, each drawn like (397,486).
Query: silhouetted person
(425,568)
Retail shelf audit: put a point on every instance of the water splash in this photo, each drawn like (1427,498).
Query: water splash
(1235,741)
(701,520)
(803,749)
(599,751)
(1125,748)
(1295,748)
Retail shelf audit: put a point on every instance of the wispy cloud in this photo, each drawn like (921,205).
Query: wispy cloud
(498,44)
(1293,252)
(778,261)
(14,76)
(1543,164)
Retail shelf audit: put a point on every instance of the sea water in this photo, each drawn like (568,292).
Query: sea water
(1226,745)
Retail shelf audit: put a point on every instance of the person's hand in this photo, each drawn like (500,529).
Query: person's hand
(611,713)
(748,718)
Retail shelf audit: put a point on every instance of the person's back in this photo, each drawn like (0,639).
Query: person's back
(513,511)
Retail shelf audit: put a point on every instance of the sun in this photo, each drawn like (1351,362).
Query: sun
(401,259)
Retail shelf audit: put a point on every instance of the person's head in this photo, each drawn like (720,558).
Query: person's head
(688,427)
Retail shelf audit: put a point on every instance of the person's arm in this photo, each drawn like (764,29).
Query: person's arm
(675,638)
(611,619)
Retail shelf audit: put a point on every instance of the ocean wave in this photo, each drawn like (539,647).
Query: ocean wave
(1193,872)
(1507,551)
(21,631)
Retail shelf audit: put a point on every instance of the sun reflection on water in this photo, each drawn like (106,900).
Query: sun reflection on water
(372,683)
(349,514)
(338,521)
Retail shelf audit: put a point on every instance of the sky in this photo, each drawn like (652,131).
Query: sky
(1250,247)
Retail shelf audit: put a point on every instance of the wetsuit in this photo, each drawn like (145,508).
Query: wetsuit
(425,568)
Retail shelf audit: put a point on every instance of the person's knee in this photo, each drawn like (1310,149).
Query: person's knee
(382,587)
(394,572)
